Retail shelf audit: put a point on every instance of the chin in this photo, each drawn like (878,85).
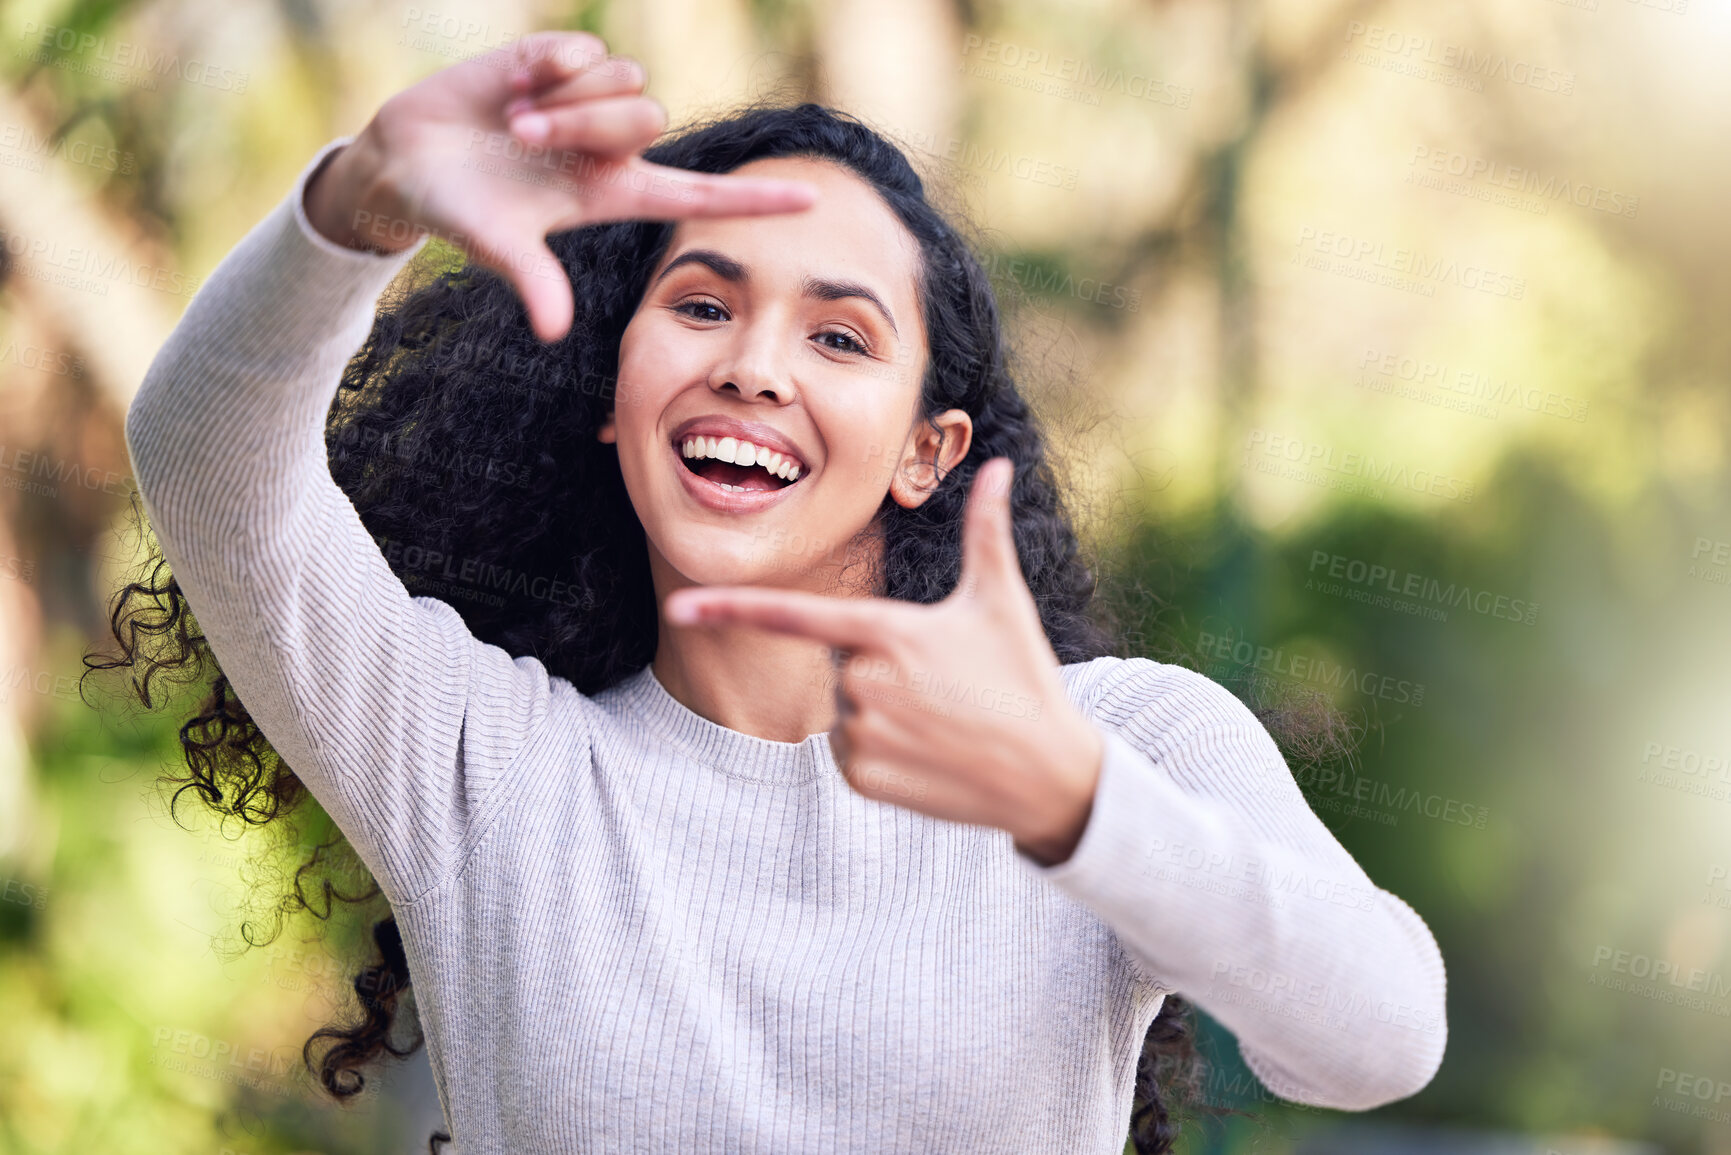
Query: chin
(723,557)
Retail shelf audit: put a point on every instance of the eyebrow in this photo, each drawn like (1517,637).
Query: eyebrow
(818,288)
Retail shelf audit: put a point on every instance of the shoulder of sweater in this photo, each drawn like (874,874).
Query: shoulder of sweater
(1116,686)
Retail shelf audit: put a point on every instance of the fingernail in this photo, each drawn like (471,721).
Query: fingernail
(681,612)
(531,126)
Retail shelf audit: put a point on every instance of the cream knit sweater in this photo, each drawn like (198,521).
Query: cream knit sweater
(633,929)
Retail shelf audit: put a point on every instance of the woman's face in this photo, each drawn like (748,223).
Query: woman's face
(799,335)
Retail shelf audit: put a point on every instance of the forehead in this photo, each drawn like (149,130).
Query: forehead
(849,233)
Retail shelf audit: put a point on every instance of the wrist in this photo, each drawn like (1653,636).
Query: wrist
(1063,817)
(341,197)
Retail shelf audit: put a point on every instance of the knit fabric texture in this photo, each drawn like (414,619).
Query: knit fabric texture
(631,928)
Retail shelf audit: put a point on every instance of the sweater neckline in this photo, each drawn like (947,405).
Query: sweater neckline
(727,750)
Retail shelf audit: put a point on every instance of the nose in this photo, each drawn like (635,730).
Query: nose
(755,366)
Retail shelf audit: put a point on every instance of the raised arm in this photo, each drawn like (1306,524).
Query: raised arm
(1221,884)
(397,720)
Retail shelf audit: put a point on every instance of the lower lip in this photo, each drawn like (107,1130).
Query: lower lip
(712,496)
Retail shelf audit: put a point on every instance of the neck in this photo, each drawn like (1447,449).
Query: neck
(764,684)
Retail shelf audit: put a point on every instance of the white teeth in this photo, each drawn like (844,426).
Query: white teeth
(741,453)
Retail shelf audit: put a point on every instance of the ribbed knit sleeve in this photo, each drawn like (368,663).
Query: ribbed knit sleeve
(1222,885)
(397,720)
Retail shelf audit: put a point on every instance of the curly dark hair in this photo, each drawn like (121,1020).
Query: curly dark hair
(456,433)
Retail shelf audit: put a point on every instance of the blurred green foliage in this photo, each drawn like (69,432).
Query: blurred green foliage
(120,950)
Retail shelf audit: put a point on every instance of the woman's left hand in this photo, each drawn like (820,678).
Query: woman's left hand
(956,709)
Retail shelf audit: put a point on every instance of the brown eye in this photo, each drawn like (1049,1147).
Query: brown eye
(683,306)
(853,344)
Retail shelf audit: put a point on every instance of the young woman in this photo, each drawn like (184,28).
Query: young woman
(758,779)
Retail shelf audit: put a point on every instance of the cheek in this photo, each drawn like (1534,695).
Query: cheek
(870,432)
(649,375)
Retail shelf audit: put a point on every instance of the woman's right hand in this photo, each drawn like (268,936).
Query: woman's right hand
(459,156)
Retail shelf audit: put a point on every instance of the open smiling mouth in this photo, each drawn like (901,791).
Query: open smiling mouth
(739,466)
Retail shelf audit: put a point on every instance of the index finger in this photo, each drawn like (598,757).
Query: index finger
(545,58)
(662,193)
(857,624)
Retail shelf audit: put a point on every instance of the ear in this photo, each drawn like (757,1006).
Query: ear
(608,434)
(930,454)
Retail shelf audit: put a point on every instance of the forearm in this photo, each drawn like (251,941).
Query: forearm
(360,691)
(1316,970)
(1221,884)
(237,396)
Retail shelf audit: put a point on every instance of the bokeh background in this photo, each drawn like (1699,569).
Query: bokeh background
(1386,345)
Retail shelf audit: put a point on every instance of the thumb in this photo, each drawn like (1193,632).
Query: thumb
(538,276)
(989,561)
